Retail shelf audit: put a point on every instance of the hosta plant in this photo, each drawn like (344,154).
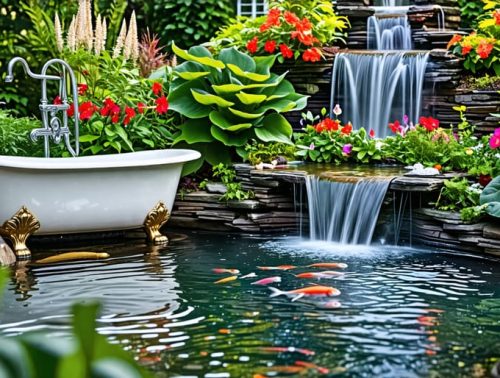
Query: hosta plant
(229,100)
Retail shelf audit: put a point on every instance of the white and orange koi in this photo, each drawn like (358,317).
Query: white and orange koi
(316,290)
(328,265)
(319,275)
(223,270)
(280,267)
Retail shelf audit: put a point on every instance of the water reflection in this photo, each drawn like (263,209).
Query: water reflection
(404,312)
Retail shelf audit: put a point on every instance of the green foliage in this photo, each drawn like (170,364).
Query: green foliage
(490,197)
(227,175)
(457,194)
(189,22)
(86,354)
(15,135)
(473,214)
(297,24)
(229,100)
(267,152)
(470,10)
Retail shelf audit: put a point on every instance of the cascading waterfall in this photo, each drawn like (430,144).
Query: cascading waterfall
(391,3)
(344,212)
(376,88)
(389,32)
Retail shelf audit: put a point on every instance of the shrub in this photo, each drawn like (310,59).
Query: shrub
(15,135)
(228,101)
(292,28)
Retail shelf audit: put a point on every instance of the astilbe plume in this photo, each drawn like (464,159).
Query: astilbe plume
(150,54)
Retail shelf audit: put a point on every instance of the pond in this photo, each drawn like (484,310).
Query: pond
(403,312)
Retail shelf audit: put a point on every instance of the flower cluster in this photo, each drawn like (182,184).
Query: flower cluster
(495,139)
(281,29)
(481,48)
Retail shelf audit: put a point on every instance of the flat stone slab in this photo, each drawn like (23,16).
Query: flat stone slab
(491,231)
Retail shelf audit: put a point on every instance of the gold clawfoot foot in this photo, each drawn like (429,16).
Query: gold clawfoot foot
(18,229)
(154,221)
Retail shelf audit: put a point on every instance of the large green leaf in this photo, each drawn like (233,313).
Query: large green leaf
(229,139)
(247,75)
(206,60)
(491,196)
(194,131)
(246,115)
(13,358)
(251,99)
(264,64)
(191,75)
(234,57)
(219,120)
(285,88)
(275,129)
(206,98)
(280,106)
(181,100)
(233,88)
(300,100)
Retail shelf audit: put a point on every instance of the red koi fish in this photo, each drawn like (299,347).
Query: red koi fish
(267,281)
(310,290)
(280,267)
(227,279)
(310,365)
(222,270)
(319,275)
(328,265)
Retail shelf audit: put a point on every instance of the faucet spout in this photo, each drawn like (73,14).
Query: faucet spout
(10,71)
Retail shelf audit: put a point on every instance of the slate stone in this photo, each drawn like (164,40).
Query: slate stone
(492,231)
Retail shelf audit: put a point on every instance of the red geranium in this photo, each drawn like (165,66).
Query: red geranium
(466,49)
(140,107)
(311,55)
(429,123)
(484,49)
(496,16)
(270,46)
(291,18)
(395,127)
(157,88)
(347,129)
(252,45)
(273,19)
(82,89)
(57,100)
(129,114)
(161,105)
(286,51)
(87,110)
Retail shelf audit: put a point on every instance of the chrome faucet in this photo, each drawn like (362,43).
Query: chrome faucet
(53,126)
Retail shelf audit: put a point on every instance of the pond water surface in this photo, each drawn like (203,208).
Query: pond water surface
(404,312)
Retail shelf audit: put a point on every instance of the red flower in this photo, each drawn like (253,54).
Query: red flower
(129,114)
(252,45)
(108,105)
(286,51)
(454,40)
(82,88)
(161,105)
(484,179)
(273,19)
(115,118)
(484,49)
(270,46)
(305,38)
(429,123)
(347,129)
(466,49)
(394,127)
(71,110)
(140,107)
(331,125)
(157,88)
(304,25)
(87,110)
(57,100)
(85,72)
(311,55)
(496,16)
(291,18)
(372,133)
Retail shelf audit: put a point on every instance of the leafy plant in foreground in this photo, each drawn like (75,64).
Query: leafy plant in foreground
(227,175)
(457,194)
(228,100)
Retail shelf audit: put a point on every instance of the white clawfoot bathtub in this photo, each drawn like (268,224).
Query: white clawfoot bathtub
(93,193)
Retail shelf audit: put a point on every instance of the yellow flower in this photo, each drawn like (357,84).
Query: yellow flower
(469,151)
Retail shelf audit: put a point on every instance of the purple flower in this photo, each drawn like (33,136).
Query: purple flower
(312,146)
(406,119)
(347,149)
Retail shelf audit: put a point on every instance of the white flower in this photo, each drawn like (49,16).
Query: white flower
(337,110)
(379,144)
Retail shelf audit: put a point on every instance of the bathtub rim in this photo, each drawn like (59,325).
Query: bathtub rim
(124,160)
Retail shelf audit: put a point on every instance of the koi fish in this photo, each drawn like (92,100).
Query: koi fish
(328,265)
(319,275)
(222,270)
(249,275)
(267,281)
(310,290)
(285,369)
(329,305)
(280,267)
(227,279)
(73,256)
(305,352)
(310,365)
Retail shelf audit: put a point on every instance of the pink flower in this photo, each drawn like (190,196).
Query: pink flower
(337,110)
(372,133)
(347,149)
(495,139)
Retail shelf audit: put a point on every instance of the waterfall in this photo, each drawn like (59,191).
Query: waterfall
(389,32)
(391,3)
(378,88)
(441,18)
(344,212)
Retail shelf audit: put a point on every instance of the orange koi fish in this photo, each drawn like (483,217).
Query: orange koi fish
(305,352)
(222,270)
(310,290)
(227,279)
(280,267)
(328,265)
(319,275)
(310,365)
